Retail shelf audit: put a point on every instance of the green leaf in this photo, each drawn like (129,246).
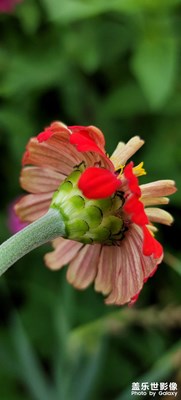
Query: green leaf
(173,262)
(162,157)
(154,63)
(29,15)
(68,11)
(126,100)
(162,369)
(89,373)
(31,371)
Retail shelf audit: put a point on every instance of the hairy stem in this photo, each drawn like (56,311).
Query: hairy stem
(46,228)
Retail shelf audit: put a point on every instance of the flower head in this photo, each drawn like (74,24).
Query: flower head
(8,5)
(13,221)
(108,216)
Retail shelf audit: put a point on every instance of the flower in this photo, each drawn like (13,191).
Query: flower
(7,5)
(108,216)
(13,221)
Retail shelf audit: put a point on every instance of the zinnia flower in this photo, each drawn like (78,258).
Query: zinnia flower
(13,222)
(8,5)
(108,216)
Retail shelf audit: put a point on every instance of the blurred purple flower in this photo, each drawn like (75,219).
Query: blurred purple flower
(13,221)
(8,5)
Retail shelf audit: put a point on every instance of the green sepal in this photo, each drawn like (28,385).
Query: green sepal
(76,229)
(93,216)
(88,221)
(114,224)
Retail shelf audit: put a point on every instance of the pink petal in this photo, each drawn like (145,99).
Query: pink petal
(82,270)
(65,251)
(8,5)
(55,127)
(58,154)
(52,154)
(40,180)
(33,206)
(13,221)
(98,183)
(106,268)
(133,270)
(119,287)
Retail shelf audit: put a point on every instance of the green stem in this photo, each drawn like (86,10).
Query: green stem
(46,228)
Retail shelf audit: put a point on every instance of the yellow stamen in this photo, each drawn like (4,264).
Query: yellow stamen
(120,169)
(139,170)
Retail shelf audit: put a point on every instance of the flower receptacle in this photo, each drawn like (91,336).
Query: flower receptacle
(88,221)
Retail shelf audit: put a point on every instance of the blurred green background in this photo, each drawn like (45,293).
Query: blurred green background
(115,64)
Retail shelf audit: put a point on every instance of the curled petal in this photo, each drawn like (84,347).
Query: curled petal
(152,228)
(153,201)
(158,188)
(98,183)
(93,133)
(45,135)
(124,151)
(159,215)
(84,142)
(50,131)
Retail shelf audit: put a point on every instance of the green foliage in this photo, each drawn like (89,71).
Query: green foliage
(115,64)
(155,60)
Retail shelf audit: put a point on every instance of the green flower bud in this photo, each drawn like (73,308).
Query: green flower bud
(88,221)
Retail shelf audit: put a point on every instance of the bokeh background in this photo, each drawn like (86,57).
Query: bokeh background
(115,64)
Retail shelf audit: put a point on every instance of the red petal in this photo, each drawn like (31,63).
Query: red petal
(45,135)
(139,217)
(135,208)
(133,299)
(130,204)
(95,134)
(151,245)
(84,142)
(128,170)
(132,179)
(158,249)
(98,183)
